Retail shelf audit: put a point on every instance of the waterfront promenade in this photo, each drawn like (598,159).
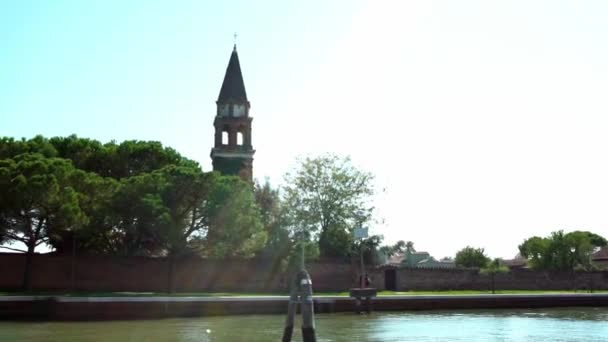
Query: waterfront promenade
(143,307)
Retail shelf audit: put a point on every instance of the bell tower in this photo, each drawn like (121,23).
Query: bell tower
(232,153)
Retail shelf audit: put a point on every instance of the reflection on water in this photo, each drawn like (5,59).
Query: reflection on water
(571,324)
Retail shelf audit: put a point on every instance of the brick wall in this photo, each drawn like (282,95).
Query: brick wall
(104,273)
(409,279)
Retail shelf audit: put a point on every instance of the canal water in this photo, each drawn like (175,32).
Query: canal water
(571,324)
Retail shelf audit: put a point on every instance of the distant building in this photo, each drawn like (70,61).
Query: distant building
(518,262)
(600,258)
(431,262)
(413,258)
(395,260)
(419,260)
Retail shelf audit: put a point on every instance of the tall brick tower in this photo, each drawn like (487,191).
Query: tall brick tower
(232,153)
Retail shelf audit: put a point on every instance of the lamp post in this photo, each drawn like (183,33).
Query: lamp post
(73,280)
(360,233)
(302,256)
(73,260)
(572,270)
(363,295)
(362,283)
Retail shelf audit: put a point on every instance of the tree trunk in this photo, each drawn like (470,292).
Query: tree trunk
(493,287)
(73,265)
(574,287)
(171,261)
(27,272)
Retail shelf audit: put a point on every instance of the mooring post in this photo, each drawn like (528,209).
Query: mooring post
(291,314)
(307,308)
(301,292)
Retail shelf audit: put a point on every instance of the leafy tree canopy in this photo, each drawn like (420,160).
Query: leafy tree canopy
(177,211)
(235,226)
(38,201)
(471,257)
(398,248)
(494,266)
(129,198)
(371,249)
(37,198)
(561,251)
(279,244)
(326,197)
(126,159)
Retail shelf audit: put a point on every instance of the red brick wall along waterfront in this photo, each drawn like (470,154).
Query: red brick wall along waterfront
(140,274)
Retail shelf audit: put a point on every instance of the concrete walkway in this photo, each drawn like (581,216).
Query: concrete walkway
(137,307)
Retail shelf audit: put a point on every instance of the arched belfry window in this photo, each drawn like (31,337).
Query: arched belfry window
(239,138)
(224,137)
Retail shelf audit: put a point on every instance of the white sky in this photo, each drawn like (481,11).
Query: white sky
(485,123)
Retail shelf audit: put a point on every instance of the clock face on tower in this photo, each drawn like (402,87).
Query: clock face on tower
(239,110)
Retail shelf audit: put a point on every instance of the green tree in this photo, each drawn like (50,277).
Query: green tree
(235,228)
(129,158)
(326,197)
(135,157)
(370,247)
(535,250)
(492,268)
(184,192)
(140,198)
(165,212)
(137,217)
(94,196)
(561,251)
(471,257)
(10,148)
(85,154)
(594,239)
(37,202)
(398,248)
(272,213)
(125,202)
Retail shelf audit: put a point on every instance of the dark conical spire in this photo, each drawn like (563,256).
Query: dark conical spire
(233,88)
